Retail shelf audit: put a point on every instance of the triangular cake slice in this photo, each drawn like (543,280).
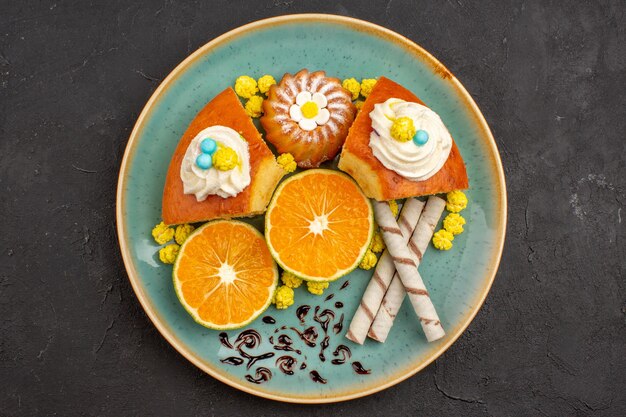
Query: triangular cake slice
(225,110)
(375,179)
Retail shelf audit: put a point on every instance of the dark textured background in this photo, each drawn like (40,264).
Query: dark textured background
(550,79)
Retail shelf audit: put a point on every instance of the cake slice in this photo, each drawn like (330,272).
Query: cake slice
(265,173)
(380,183)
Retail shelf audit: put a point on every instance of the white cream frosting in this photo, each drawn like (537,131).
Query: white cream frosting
(411,161)
(205,182)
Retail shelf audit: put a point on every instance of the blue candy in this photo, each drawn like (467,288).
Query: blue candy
(420,138)
(204,161)
(208,146)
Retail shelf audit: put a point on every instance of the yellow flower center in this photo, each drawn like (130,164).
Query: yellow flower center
(309,109)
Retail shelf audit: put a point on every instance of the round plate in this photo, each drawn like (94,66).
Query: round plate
(458,280)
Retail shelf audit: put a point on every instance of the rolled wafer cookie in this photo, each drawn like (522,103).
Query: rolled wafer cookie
(383,274)
(417,244)
(406,267)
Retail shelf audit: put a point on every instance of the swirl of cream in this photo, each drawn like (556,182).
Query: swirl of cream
(411,161)
(205,182)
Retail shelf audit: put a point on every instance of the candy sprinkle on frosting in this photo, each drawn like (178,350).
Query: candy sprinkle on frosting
(420,138)
(208,146)
(225,159)
(403,129)
(353,86)
(265,82)
(254,106)
(245,86)
(287,161)
(204,161)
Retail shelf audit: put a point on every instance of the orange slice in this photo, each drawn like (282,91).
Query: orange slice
(224,274)
(319,225)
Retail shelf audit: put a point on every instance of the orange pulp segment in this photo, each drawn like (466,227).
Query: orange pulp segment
(319,225)
(224,274)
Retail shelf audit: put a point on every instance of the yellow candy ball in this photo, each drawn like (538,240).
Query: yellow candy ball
(367,85)
(456,201)
(353,86)
(225,159)
(254,106)
(369,260)
(453,223)
(403,129)
(265,82)
(168,254)
(245,86)
(316,288)
(442,240)
(287,161)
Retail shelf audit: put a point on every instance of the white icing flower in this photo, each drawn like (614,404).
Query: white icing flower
(310,110)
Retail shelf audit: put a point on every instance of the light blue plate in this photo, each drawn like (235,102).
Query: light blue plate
(458,280)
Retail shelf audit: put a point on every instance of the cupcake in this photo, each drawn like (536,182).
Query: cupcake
(308,115)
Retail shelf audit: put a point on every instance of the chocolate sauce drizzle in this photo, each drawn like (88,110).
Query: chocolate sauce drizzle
(339,325)
(249,338)
(224,340)
(358,368)
(343,351)
(316,377)
(279,329)
(323,318)
(260,376)
(285,343)
(324,346)
(286,364)
(308,336)
(302,311)
(232,360)
(252,359)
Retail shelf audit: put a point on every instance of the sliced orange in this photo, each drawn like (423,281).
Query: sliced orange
(318,225)
(224,274)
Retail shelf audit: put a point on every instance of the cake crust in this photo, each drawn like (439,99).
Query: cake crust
(225,110)
(375,179)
